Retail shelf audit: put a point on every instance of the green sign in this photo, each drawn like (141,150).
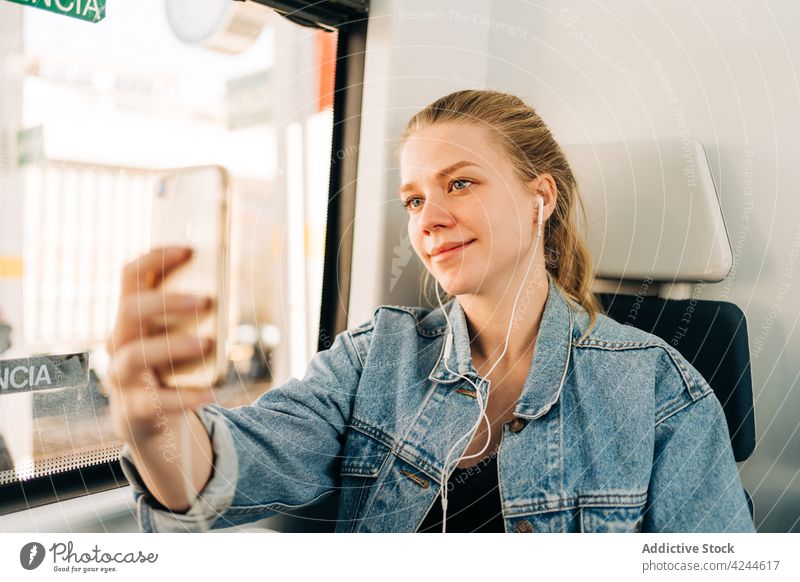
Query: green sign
(91,10)
(44,373)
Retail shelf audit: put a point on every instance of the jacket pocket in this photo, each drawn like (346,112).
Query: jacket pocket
(611,519)
(364,457)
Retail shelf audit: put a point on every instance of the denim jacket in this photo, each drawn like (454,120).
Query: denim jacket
(615,432)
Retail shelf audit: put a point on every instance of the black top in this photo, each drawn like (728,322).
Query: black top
(473,501)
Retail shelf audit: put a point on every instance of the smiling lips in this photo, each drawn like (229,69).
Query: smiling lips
(449,249)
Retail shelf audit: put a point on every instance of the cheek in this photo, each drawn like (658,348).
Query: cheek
(509,228)
(416,241)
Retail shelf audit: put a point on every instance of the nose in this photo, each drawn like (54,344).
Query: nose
(435,213)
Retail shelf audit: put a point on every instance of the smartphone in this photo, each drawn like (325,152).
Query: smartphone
(191,207)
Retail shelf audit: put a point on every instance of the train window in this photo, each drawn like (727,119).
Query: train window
(99,109)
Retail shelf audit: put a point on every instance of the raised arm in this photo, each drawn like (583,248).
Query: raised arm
(280,452)
(147,416)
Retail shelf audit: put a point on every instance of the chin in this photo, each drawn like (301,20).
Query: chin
(456,285)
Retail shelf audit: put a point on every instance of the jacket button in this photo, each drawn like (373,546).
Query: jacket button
(523,526)
(638,527)
(517,424)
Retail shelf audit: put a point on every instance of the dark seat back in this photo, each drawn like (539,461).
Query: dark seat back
(712,336)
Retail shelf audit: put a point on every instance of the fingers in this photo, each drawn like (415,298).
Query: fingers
(153,312)
(163,312)
(149,270)
(173,323)
(143,309)
(134,358)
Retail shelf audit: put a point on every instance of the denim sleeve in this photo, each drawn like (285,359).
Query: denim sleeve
(217,494)
(278,453)
(695,484)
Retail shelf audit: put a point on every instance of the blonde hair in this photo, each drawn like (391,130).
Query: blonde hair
(529,145)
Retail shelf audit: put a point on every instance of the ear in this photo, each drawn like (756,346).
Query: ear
(545,185)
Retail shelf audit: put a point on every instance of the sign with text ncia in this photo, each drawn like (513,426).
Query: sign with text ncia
(89,10)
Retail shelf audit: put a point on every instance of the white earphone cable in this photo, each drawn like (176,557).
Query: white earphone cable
(448,346)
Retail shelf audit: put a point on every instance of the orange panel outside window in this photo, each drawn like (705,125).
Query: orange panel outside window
(326,62)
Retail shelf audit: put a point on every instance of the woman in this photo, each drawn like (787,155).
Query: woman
(518,402)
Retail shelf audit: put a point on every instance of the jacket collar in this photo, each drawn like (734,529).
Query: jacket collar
(546,377)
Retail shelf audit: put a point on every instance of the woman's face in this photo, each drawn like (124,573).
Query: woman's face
(460,191)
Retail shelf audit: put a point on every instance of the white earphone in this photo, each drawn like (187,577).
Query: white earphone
(448,347)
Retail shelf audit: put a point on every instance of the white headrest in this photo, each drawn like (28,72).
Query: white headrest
(652,211)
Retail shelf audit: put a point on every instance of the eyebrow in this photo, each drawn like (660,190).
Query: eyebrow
(443,173)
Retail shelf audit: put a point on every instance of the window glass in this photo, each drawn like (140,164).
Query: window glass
(90,114)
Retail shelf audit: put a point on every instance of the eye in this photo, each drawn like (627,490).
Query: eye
(409,202)
(461,181)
